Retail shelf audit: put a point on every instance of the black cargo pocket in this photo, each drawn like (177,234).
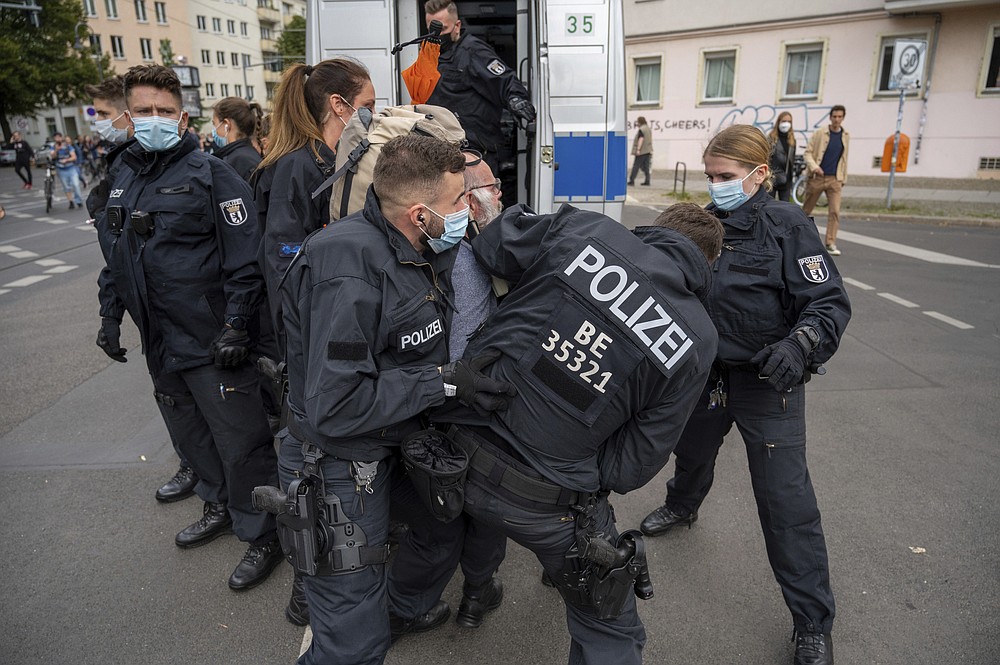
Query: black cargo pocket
(415,329)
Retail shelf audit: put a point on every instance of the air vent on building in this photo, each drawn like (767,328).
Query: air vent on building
(877,162)
(989,163)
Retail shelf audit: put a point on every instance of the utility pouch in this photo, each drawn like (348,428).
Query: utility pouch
(142,222)
(116,219)
(437,466)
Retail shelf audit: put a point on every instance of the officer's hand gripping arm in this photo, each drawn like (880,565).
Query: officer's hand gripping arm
(464,379)
(522,109)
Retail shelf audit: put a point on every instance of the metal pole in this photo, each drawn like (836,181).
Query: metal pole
(245,81)
(895,147)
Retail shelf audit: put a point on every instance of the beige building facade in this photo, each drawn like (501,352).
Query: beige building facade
(696,68)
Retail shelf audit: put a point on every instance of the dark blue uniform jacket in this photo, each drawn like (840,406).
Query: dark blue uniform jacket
(111,305)
(366,319)
(605,337)
(199,265)
(241,155)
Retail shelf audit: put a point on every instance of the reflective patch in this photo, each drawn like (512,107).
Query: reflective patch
(234,211)
(116,193)
(814,268)
(496,67)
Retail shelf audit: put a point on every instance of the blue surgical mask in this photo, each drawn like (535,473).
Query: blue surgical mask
(454,230)
(729,195)
(155,133)
(220,141)
(109,133)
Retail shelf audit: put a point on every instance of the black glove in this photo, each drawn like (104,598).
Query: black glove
(783,363)
(108,337)
(230,348)
(522,108)
(475,389)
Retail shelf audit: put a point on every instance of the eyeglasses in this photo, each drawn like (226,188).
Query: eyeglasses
(495,185)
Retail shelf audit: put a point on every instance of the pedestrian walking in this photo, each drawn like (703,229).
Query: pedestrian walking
(782,160)
(642,150)
(23,157)
(826,159)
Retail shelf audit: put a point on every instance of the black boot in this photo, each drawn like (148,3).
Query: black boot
(477,601)
(813,648)
(213,523)
(297,611)
(256,565)
(664,519)
(398,626)
(181,486)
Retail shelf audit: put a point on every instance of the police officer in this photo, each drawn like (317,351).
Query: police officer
(183,261)
(780,307)
(475,83)
(606,341)
(366,309)
(235,130)
(113,127)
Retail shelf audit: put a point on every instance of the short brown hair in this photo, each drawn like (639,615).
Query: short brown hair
(745,144)
(700,226)
(155,76)
(246,115)
(409,169)
(434,6)
(111,89)
(838,107)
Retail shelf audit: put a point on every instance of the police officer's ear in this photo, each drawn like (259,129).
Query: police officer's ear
(183,123)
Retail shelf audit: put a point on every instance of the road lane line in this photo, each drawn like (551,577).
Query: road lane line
(85,227)
(961,325)
(852,282)
(58,270)
(7,249)
(19,215)
(906,250)
(3,291)
(898,300)
(49,262)
(28,281)
(56,221)
(23,254)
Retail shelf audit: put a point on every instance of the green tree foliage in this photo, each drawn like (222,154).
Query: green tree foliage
(292,41)
(38,64)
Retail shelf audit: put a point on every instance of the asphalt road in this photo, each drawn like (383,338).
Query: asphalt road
(903,451)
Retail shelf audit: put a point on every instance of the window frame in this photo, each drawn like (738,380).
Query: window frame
(717,53)
(144,43)
(799,46)
(992,39)
(117,53)
(206,57)
(223,89)
(217,25)
(249,91)
(141,16)
(234,59)
(643,60)
(161,13)
(90,8)
(875,92)
(210,90)
(231,27)
(111,7)
(244,29)
(95,44)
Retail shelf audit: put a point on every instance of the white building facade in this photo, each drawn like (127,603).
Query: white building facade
(694,68)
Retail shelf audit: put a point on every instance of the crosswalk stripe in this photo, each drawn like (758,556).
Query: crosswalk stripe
(27,281)
(58,270)
(49,262)
(23,254)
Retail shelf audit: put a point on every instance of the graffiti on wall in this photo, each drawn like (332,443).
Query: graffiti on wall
(806,118)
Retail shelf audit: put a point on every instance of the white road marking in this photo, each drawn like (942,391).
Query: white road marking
(58,270)
(23,254)
(7,249)
(20,215)
(961,325)
(56,221)
(3,291)
(28,281)
(49,262)
(898,300)
(906,250)
(85,227)
(860,285)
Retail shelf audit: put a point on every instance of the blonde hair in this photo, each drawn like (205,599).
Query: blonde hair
(773,134)
(744,144)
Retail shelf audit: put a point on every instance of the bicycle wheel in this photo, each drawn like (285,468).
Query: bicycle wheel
(799,191)
(48,195)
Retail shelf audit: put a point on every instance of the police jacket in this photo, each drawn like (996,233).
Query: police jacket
(241,155)
(476,86)
(111,304)
(773,276)
(198,266)
(782,162)
(365,319)
(286,209)
(604,337)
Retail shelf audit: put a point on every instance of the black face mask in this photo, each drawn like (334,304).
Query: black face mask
(446,43)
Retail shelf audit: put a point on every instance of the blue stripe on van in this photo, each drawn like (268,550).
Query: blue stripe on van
(581,175)
(617,166)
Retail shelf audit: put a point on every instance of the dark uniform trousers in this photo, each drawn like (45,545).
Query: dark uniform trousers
(550,533)
(773,426)
(349,612)
(217,417)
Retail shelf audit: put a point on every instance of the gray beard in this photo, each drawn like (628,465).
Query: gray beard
(488,211)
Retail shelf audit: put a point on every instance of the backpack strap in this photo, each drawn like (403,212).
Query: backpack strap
(351,166)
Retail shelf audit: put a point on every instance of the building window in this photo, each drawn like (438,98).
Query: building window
(216,24)
(112,8)
(718,76)
(243,28)
(224,89)
(161,12)
(231,26)
(210,90)
(250,92)
(265,33)
(886,53)
(95,44)
(117,47)
(220,57)
(803,66)
(238,90)
(647,80)
(246,59)
(991,63)
(286,9)
(140,11)
(90,7)
(201,23)
(235,59)
(206,57)
(147,48)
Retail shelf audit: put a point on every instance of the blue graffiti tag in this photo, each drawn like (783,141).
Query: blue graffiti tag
(805,118)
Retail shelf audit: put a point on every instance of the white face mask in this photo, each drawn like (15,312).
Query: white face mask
(783,127)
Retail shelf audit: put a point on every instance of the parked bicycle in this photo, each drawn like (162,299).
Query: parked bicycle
(50,184)
(801,174)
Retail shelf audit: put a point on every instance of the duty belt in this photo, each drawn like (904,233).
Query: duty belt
(503,474)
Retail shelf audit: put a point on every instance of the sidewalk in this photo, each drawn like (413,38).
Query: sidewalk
(922,200)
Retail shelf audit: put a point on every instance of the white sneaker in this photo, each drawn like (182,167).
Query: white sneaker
(832,250)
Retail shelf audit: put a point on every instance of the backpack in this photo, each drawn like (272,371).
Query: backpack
(362,141)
